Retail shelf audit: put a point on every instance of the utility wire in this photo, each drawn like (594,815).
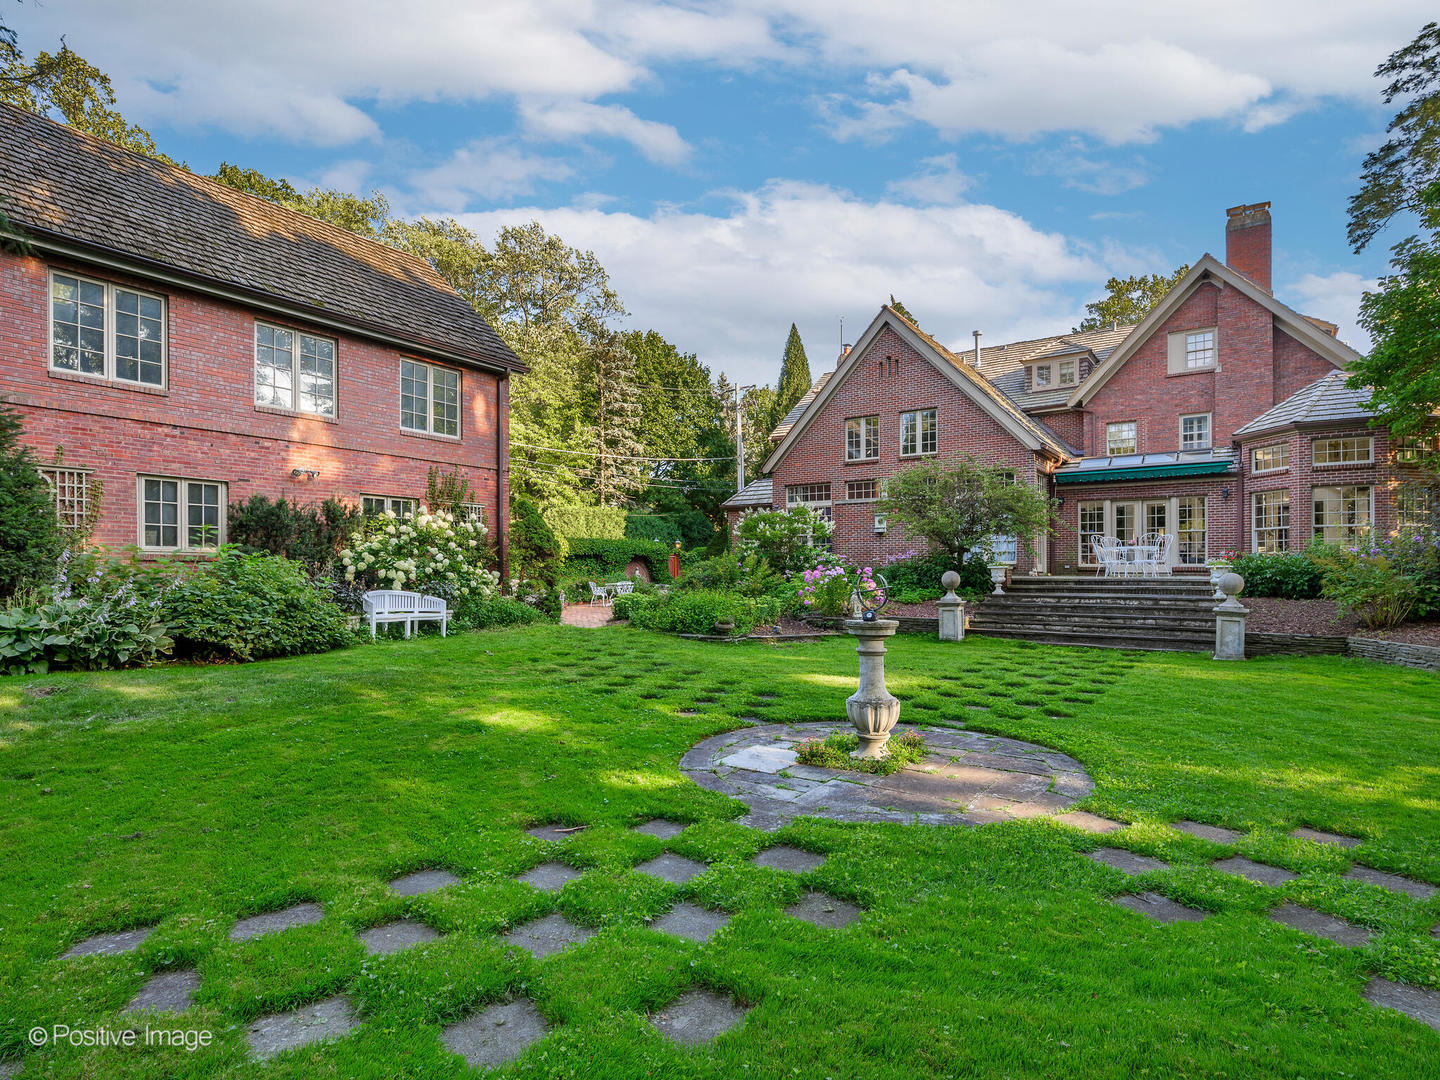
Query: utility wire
(583,475)
(618,457)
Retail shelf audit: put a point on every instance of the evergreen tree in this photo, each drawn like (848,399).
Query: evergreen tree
(902,310)
(794,378)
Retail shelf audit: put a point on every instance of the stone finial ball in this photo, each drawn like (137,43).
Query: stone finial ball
(950,580)
(1231,584)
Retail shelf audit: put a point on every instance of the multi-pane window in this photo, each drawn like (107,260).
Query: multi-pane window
(373,505)
(1042,376)
(1120,437)
(1412,506)
(1191,546)
(1342,514)
(1125,523)
(294,371)
(1351,450)
(1270,520)
(1092,525)
(181,515)
(1200,349)
(1195,432)
(862,490)
(106,331)
(862,438)
(1414,451)
(71,488)
(814,496)
(918,434)
(429,398)
(1002,550)
(1068,370)
(1270,458)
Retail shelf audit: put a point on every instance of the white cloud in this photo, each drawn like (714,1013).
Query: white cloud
(1075,167)
(938,182)
(727,285)
(488,169)
(1334,297)
(568,121)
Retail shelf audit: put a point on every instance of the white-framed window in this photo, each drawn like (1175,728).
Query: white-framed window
(1195,431)
(1265,459)
(1349,450)
(1120,437)
(1069,370)
(882,523)
(1412,506)
(374,505)
(862,490)
(294,370)
(1002,549)
(862,438)
(1041,378)
(1191,536)
(1270,520)
(918,433)
(429,398)
(1413,451)
(177,514)
(107,331)
(1342,514)
(1192,350)
(815,496)
(1091,524)
(71,489)
(1200,349)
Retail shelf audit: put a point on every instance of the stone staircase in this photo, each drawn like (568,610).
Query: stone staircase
(1173,614)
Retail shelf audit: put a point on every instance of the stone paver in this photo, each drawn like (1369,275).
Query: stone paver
(548,935)
(660,828)
(676,869)
(1126,861)
(274,921)
(109,944)
(10,1068)
(1319,837)
(1217,833)
(586,615)
(169,991)
(696,1017)
(950,787)
(1160,908)
(690,921)
(1088,822)
(396,936)
(824,910)
(556,833)
(497,1035)
(1321,925)
(271,1035)
(793,859)
(1260,873)
(549,876)
(1415,1002)
(423,881)
(1418,889)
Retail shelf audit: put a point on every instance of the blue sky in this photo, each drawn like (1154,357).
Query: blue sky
(738,165)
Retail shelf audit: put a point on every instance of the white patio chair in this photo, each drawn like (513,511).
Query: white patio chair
(1106,554)
(599,595)
(1154,554)
(623,588)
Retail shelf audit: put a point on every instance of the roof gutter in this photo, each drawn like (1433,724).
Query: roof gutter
(124,262)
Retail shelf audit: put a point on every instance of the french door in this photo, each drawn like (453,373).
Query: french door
(1127,520)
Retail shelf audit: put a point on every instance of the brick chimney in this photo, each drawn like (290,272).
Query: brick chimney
(1247,242)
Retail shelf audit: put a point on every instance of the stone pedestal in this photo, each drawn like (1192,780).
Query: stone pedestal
(1230,619)
(872,709)
(952,609)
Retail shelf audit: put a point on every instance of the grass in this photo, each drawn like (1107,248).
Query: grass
(837,752)
(189,797)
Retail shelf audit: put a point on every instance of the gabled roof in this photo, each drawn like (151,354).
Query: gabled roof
(1326,400)
(783,428)
(79,196)
(756,493)
(1027,432)
(1210,268)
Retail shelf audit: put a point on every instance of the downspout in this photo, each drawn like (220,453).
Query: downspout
(502,474)
(1240,504)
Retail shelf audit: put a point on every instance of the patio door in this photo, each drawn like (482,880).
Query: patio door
(1129,519)
(1132,520)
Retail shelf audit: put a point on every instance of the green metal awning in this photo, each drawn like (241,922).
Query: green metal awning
(1144,472)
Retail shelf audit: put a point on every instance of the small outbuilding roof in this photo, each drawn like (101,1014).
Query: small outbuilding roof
(759,492)
(1326,400)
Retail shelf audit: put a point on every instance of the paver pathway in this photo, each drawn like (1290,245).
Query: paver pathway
(585,615)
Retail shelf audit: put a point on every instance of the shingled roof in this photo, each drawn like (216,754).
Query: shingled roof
(788,421)
(1326,400)
(68,191)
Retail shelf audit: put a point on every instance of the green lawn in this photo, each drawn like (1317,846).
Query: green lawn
(189,797)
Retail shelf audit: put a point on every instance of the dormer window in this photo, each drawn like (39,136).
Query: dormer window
(1193,350)
(1068,371)
(1041,378)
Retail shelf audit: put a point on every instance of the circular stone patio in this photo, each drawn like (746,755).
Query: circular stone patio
(967,779)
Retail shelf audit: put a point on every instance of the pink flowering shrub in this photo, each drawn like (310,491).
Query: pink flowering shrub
(826,589)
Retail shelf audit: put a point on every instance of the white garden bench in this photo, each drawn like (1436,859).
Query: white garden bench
(399,606)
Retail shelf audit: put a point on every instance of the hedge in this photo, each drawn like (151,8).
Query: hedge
(598,559)
(594,522)
(695,612)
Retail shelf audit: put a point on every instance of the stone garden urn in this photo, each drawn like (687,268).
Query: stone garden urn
(872,709)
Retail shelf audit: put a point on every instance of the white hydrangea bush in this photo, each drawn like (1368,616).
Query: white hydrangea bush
(432,551)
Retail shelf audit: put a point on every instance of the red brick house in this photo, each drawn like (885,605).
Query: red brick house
(1220,419)
(188,346)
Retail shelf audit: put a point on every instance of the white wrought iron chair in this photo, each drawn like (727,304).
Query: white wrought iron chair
(1106,554)
(599,596)
(623,588)
(1155,559)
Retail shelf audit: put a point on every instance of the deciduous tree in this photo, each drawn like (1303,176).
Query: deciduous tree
(1128,300)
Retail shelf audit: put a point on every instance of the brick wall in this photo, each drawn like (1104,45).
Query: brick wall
(891,378)
(204,423)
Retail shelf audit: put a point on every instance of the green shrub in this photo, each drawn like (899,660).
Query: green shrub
(833,752)
(661,528)
(589,522)
(482,614)
(695,612)
(78,633)
(786,539)
(535,550)
(30,535)
(1290,575)
(593,559)
(429,552)
(914,577)
(311,535)
(240,606)
(749,575)
(1385,581)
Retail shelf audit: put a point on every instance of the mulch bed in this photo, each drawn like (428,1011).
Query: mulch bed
(1269,615)
(789,627)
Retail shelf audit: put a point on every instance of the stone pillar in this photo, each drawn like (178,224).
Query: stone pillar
(952,609)
(1230,620)
(872,709)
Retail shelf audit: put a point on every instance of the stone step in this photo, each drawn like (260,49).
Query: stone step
(1104,640)
(1087,603)
(1189,627)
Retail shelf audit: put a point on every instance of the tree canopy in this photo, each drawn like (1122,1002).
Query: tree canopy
(794,378)
(1128,300)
